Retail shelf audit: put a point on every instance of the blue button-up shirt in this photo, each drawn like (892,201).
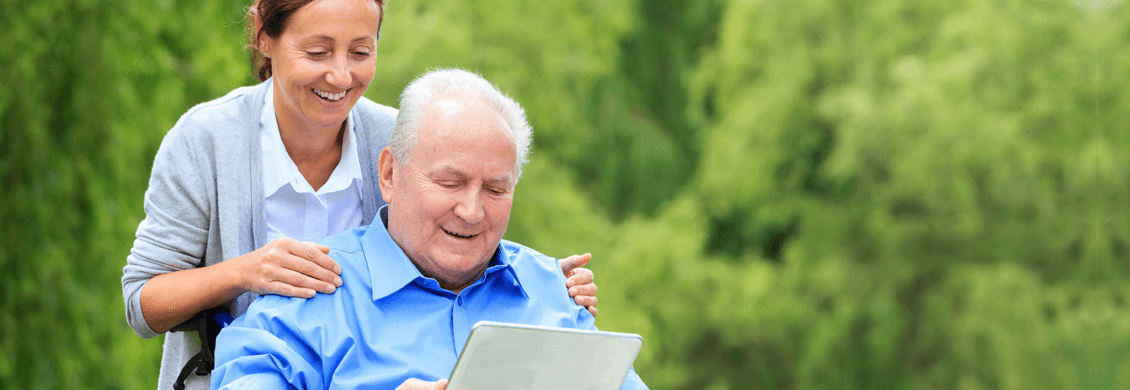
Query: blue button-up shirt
(387,322)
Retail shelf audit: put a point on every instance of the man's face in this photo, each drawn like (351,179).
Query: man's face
(450,203)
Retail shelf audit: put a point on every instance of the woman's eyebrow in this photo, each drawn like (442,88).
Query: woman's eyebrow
(331,39)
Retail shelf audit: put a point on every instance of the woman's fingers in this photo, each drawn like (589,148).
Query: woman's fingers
(311,259)
(581,286)
(579,276)
(583,290)
(279,288)
(296,269)
(299,285)
(311,269)
(318,254)
(586,301)
(569,263)
(323,248)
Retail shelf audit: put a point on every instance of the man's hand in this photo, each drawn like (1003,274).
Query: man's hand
(416,384)
(579,281)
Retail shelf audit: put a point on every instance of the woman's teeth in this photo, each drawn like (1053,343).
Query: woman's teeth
(333,97)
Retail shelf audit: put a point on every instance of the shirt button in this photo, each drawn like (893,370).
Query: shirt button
(459,301)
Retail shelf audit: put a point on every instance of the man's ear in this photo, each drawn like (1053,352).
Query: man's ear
(384,174)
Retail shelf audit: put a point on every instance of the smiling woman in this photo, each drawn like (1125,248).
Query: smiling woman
(322,65)
(243,185)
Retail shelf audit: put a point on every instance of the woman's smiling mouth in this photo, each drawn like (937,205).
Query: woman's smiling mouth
(333,97)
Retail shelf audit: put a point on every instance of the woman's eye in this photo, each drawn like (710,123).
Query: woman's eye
(316,54)
(362,54)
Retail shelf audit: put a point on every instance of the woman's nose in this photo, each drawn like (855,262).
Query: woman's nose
(338,74)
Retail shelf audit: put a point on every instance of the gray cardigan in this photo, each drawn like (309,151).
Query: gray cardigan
(205,200)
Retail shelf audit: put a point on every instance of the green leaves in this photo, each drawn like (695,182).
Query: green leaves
(96,86)
(777,194)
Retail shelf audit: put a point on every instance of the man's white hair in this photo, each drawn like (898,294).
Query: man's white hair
(465,85)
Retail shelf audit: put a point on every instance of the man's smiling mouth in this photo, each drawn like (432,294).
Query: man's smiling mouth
(457,235)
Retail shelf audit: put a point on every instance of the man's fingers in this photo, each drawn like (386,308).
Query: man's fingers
(416,384)
(592,309)
(569,263)
(411,383)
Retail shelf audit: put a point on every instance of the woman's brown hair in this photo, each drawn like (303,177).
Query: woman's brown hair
(270,17)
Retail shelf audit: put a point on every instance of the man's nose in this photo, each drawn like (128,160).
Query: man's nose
(470,206)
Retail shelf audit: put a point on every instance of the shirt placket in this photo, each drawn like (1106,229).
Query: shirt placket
(460,322)
(317,219)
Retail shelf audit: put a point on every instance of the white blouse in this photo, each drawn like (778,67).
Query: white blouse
(293,208)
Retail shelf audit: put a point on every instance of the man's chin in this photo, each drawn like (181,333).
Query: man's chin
(463,264)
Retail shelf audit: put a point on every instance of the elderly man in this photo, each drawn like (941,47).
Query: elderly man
(423,273)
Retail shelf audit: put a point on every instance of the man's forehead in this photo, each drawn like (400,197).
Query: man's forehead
(458,124)
(451,104)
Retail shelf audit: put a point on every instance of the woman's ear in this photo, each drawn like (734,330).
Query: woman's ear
(265,45)
(263,41)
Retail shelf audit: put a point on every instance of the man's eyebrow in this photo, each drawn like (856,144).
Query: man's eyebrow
(447,169)
(505,179)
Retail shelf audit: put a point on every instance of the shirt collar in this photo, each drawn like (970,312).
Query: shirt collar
(396,270)
(279,170)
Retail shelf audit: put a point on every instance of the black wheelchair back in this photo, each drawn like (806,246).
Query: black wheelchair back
(207,324)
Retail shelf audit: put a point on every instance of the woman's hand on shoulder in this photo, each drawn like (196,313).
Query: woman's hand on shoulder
(290,267)
(579,281)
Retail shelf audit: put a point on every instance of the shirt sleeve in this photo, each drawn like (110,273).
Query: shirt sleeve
(267,349)
(257,381)
(173,236)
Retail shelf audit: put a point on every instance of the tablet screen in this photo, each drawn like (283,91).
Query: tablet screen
(511,356)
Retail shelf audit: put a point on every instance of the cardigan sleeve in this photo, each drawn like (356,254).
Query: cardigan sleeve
(178,210)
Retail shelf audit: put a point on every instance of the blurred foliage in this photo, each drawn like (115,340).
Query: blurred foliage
(778,194)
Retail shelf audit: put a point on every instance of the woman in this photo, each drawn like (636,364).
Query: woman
(243,185)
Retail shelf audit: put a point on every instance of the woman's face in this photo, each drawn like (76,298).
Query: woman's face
(323,62)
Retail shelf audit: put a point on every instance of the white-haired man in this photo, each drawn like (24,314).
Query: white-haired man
(448,175)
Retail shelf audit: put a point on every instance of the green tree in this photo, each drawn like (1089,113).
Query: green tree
(778,194)
(94,87)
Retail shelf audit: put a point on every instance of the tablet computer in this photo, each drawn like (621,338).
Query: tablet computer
(511,356)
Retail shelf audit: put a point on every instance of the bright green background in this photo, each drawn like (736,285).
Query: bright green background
(794,194)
